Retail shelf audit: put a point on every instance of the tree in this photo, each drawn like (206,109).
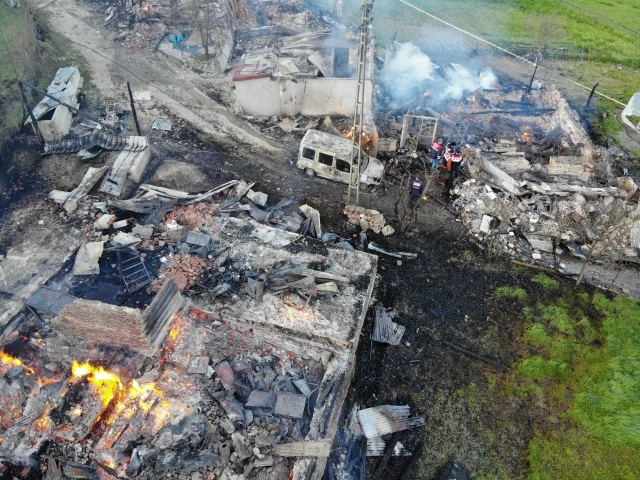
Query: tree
(202,13)
(544,29)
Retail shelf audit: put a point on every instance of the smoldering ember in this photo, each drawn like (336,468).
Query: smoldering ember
(265,240)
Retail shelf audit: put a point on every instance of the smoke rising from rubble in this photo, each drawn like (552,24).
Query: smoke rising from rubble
(406,71)
(460,81)
(410,73)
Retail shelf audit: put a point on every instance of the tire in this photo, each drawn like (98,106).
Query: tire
(309,172)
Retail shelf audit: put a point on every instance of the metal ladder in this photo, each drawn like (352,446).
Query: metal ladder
(133,272)
(358,111)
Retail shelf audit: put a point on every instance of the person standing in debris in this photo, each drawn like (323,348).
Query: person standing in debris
(456,162)
(332,6)
(339,6)
(415,191)
(435,153)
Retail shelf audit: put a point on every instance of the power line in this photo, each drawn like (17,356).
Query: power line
(480,39)
(129,71)
(597,14)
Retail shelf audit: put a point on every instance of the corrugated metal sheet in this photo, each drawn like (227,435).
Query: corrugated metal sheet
(47,300)
(161,124)
(384,419)
(377,446)
(100,138)
(385,329)
(59,88)
(259,214)
(157,317)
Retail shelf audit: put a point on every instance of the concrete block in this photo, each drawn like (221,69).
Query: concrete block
(104,222)
(199,239)
(139,164)
(143,231)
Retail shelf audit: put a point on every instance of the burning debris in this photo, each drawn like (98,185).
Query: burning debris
(255,373)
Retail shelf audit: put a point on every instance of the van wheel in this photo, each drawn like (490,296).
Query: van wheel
(309,172)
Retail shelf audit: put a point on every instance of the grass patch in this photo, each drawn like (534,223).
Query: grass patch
(589,372)
(537,368)
(468,393)
(570,455)
(512,292)
(545,281)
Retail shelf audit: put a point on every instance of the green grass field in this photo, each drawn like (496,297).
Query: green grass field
(564,24)
(587,367)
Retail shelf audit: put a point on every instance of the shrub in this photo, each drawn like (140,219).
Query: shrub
(511,292)
(558,317)
(545,281)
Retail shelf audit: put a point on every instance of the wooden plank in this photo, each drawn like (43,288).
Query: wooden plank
(318,448)
(88,182)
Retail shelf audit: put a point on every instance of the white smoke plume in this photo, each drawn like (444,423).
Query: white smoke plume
(410,72)
(406,71)
(460,81)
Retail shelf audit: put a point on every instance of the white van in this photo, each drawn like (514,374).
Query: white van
(329,156)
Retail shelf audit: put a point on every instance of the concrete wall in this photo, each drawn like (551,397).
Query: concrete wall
(308,96)
(58,126)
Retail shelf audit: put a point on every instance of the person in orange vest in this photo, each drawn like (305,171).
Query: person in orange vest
(448,155)
(456,162)
(435,152)
(415,190)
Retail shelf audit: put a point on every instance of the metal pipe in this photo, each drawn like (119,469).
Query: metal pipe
(495,363)
(133,109)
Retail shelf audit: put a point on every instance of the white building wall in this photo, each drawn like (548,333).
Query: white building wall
(307,96)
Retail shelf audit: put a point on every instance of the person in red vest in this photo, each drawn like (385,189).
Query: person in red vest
(456,162)
(435,153)
(415,190)
(448,155)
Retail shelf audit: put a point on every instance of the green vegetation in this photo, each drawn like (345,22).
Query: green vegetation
(468,393)
(588,369)
(545,281)
(511,292)
(27,51)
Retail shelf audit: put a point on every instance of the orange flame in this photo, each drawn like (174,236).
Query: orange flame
(367,140)
(9,360)
(108,384)
(526,135)
(42,424)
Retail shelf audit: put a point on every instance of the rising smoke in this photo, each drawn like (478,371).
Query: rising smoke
(406,72)
(410,72)
(459,80)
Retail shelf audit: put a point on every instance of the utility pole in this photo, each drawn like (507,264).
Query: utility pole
(358,111)
(133,109)
(34,122)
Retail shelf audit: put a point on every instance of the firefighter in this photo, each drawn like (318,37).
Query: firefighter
(415,190)
(456,162)
(435,153)
(339,5)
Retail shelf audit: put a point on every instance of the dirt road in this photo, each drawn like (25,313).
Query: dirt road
(178,90)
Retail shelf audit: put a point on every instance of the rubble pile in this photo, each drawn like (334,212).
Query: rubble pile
(367,219)
(183,269)
(537,217)
(254,374)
